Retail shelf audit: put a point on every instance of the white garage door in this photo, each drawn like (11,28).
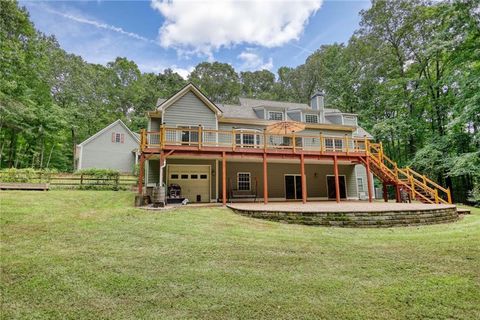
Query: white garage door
(193,179)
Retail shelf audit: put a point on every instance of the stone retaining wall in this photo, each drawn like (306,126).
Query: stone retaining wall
(357,219)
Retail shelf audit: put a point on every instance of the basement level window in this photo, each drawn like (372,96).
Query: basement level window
(275,115)
(243,180)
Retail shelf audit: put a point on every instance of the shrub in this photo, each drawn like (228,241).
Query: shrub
(26,175)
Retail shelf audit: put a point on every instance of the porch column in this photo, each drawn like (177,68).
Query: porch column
(224,178)
(141,173)
(304,182)
(385,192)
(265,179)
(337,180)
(369,180)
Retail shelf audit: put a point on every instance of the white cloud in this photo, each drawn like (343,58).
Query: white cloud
(204,26)
(183,72)
(253,61)
(99,25)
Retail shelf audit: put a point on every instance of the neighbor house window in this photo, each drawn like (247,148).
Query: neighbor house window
(311,118)
(118,137)
(275,115)
(243,181)
(361,186)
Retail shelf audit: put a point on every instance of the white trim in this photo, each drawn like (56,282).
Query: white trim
(345,179)
(80,155)
(189,87)
(249,181)
(108,127)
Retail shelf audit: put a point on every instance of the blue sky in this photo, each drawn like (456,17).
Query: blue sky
(175,34)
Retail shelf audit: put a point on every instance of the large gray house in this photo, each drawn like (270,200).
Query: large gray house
(114,147)
(215,151)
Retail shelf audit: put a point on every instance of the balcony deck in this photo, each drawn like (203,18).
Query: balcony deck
(250,143)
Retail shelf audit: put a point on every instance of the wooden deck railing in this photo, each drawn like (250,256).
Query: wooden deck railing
(234,139)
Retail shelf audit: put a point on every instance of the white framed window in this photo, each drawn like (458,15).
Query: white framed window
(361,185)
(333,144)
(247,139)
(243,181)
(311,118)
(275,115)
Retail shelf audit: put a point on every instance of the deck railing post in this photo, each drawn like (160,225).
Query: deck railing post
(162,136)
(234,138)
(200,133)
(436,196)
(346,143)
(264,140)
(293,141)
(321,143)
(366,146)
(449,196)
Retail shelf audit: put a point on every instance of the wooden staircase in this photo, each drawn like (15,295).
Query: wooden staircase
(418,186)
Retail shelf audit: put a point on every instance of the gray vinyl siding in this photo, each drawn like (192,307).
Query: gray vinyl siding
(102,153)
(361,172)
(154,125)
(189,111)
(153,172)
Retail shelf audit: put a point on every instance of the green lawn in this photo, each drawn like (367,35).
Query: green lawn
(89,254)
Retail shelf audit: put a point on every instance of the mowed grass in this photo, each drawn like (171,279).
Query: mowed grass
(91,255)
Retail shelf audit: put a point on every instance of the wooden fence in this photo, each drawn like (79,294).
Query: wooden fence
(72,181)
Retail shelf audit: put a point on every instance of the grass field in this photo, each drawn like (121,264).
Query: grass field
(90,255)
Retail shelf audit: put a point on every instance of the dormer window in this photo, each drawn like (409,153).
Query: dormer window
(275,115)
(311,118)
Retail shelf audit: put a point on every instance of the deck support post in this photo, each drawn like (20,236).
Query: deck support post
(265,179)
(141,173)
(337,180)
(304,180)
(369,179)
(397,193)
(224,178)
(385,192)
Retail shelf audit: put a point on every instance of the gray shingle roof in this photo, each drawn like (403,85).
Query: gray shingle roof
(247,102)
(234,111)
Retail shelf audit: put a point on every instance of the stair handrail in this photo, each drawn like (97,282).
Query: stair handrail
(425,181)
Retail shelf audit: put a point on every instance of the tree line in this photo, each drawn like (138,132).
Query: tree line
(411,72)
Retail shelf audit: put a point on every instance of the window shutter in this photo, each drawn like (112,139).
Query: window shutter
(122,138)
(113,136)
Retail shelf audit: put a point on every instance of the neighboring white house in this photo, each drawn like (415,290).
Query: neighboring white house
(114,147)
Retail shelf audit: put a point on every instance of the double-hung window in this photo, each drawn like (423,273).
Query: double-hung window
(333,144)
(243,181)
(247,139)
(275,115)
